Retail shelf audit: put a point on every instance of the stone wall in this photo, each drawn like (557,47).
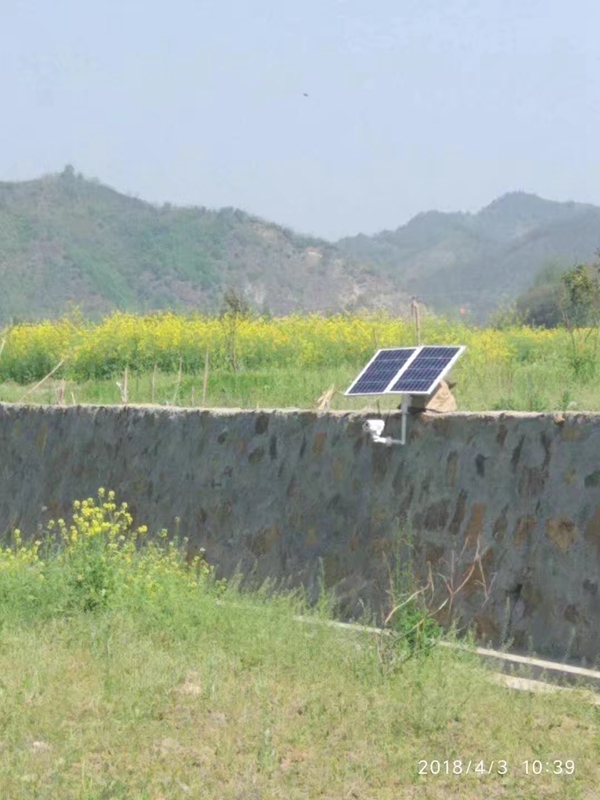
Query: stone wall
(508,505)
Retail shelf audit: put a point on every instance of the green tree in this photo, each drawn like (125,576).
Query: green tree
(540,305)
(580,309)
(233,308)
(234,304)
(580,301)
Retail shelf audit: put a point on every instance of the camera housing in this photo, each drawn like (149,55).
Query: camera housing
(374,427)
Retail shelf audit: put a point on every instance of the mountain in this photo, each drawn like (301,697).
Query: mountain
(67,240)
(479,261)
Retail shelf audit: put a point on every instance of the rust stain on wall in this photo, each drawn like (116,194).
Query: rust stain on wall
(338,469)
(500,527)
(487,628)
(459,512)
(451,468)
(41,438)
(256,455)
(475,524)
(592,532)
(561,531)
(532,482)
(433,553)
(354,542)
(570,476)
(524,530)
(319,443)
(570,432)
(333,570)
(263,541)
(501,435)
(435,516)
(381,545)
(311,537)
(293,489)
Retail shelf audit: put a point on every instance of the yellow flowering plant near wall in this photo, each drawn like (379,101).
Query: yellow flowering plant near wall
(96,560)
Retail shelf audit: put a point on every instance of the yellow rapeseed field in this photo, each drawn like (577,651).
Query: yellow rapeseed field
(167,341)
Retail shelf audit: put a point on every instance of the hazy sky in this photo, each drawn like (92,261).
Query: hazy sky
(413,104)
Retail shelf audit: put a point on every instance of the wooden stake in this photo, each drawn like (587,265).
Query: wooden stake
(60,392)
(414,307)
(205,381)
(153,385)
(124,387)
(178,384)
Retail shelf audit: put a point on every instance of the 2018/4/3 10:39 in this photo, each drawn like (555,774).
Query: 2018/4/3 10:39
(499,767)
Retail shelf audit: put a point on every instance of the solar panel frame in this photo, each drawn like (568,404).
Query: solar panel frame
(439,375)
(413,352)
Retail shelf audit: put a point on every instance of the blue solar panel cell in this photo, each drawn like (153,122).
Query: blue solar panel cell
(381,371)
(423,374)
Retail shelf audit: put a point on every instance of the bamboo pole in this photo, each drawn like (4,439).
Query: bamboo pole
(37,386)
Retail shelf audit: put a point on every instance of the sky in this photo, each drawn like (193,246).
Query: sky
(412,104)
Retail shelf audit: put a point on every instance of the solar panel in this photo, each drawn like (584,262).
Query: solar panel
(426,370)
(381,371)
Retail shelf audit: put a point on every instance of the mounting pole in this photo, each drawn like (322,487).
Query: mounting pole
(404,412)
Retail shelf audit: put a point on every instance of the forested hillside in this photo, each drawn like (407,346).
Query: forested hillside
(66,240)
(479,261)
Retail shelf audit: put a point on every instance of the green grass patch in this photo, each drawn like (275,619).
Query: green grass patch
(126,672)
(537,387)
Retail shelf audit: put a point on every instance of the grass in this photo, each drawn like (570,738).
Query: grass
(243,704)
(531,387)
(525,390)
(171,685)
(297,388)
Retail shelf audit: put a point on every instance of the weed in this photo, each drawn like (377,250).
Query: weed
(411,625)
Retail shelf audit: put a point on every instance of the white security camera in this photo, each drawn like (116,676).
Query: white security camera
(374,427)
